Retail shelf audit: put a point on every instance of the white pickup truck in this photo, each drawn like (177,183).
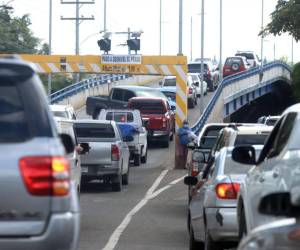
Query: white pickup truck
(138,147)
(108,154)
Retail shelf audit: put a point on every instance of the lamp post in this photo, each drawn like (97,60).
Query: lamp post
(160,20)
(221,39)
(202,56)
(180,29)
(50,46)
(262,36)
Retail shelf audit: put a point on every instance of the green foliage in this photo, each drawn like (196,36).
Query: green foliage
(59,81)
(296,81)
(16,36)
(285,19)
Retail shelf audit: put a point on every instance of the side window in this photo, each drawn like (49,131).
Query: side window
(284,134)
(117,94)
(127,95)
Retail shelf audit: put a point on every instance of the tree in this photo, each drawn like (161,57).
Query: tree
(16,35)
(296,81)
(285,19)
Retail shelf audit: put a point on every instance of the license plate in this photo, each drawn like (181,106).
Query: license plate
(84,169)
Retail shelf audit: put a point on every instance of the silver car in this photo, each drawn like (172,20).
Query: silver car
(276,170)
(212,210)
(39,207)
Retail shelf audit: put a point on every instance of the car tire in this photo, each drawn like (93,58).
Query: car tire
(172,136)
(117,183)
(137,160)
(242,229)
(210,244)
(195,101)
(166,142)
(191,104)
(144,158)
(125,178)
(193,244)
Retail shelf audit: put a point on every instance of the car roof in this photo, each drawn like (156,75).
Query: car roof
(169,77)
(147,98)
(56,107)
(295,108)
(254,129)
(169,89)
(134,87)
(15,67)
(119,110)
(199,62)
(89,121)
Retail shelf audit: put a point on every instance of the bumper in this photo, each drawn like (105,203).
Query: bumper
(157,134)
(89,172)
(62,233)
(222,223)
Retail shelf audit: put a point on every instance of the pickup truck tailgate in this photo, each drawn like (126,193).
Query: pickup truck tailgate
(99,154)
(155,121)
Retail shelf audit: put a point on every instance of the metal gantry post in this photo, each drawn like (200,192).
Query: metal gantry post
(262,36)
(221,40)
(104,16)
(160,24)
(180,29)
(202,56)
(129,52)
(50,46)
(191,38)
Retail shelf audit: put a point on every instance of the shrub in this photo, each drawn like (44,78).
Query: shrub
(296,81)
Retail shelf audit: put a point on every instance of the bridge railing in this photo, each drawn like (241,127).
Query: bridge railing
(230,81)
(83,85)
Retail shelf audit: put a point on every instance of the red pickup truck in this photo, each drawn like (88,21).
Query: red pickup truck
(159,116)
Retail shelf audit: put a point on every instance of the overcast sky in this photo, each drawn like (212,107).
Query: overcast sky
(241,25)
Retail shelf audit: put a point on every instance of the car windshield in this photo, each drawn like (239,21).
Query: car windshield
(13,125)
(150,93)
(149,107)
(170,94)
(62,114)
(170,82)
(251,139)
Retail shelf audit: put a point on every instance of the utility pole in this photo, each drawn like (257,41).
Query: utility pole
(50,46)
(180,29)
(221,40)
(202,57)
(191,39)
(160,30)
(262,36)
(129,51)
(292,50)
(104,21)
(78,20)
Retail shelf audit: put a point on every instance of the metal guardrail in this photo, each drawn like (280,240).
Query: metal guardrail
(83,85)
(228,81)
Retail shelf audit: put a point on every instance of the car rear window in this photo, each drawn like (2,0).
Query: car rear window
(13,124)
(150,93)
(149,107)
(209,137)
(232,167)
(271,121)
(196,67)
(170,82)
(251,139)
(94,131)
(62,114)
(230,61)
(119,116)
(247,55)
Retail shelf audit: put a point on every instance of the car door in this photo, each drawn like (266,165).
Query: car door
(124,151)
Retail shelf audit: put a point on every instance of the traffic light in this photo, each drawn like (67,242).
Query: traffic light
(134,44)
(104,44)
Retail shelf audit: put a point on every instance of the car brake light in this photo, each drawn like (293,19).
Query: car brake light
(46,175)
(195,168)
(294,234)
(190,90)
(242,68)
(164,122)
(115,152)
(227,190)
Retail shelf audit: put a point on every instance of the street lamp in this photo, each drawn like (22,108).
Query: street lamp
(221,39)
(50,46)
(202,56)
(262,35)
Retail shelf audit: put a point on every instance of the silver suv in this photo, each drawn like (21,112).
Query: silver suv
(39,205)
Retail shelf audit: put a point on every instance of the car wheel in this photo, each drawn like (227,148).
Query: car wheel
(144,158)
(172,136)
(210,244)
(191,104)
(193,244)
(195,101)
(166,142)
(117,183)
(125,178)
(242,225)
(137,160)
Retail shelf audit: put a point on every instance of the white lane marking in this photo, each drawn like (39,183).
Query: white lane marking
(114,238)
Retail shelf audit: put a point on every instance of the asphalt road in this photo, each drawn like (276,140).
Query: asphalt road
(150,213)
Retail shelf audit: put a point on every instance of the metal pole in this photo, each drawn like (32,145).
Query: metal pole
(202,57)
(191,38)
(221,40)
(160,20)
(104,16)
(292,50)
(77,23)
(180,28)
(274,51)
(262,36)
(129,52)
(50,46)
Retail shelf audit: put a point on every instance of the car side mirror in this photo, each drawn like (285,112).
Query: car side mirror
(85,148)
(68,143)
(145,123)
(128,138)
(244,155)
(190,180)
(173,107)
(279,204)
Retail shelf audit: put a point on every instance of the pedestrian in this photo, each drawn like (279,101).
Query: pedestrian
(185,135)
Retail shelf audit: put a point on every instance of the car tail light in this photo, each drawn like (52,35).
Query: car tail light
(115,152)
(164,122)
(45,175)
(227,190)
(242,68)
(195,168)
(294,235)
(190,90)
